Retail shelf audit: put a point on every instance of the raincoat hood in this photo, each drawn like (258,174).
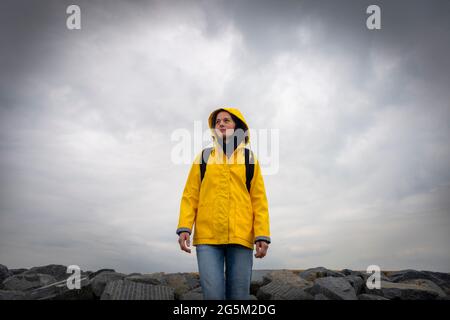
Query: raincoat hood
(235,112)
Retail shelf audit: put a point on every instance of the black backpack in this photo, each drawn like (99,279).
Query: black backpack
(249,166)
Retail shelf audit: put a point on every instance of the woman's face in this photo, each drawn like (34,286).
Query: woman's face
(224,125)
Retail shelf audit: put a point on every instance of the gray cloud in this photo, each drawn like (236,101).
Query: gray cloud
(87,116)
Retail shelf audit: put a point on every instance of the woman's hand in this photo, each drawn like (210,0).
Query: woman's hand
(261,249)
(184,241)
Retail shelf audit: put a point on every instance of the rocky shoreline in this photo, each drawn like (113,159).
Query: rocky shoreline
(50,283)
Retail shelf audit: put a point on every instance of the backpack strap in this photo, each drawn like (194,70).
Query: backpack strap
(203,161)
(249,167)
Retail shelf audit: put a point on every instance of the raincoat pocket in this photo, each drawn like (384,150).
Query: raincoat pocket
(244,222)
(204,221)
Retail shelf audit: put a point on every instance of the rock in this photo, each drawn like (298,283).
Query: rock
(4,273)
(283,285)
(27,280)
(402,275)
(181,282)
(314,273)
(195,294)
(84,293)
(60,291)
(347,272)
(277,290)
(439,278)
(100,281)
(152,278)
(92,275)
(335,288)
(258,280)
(409,274)
(286,276)
(130,290)
(356,282)
(88,273)
(193,279)
(18,271)
(365,276)
(428,284)
(134,274)
(46,292)
(404,291)
(59,272)
(366,296)
(12,295)
(41,283)
(443,277)
(383,277)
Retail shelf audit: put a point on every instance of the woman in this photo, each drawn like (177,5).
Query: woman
(229,218)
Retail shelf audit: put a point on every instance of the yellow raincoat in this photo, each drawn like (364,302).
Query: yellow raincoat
(221,207)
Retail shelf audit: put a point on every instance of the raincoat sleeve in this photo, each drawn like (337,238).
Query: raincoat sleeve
(189,199)
(260,206)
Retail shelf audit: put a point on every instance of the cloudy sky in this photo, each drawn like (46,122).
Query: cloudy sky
(87,117)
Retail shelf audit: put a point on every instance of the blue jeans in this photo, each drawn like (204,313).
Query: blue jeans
(235,283)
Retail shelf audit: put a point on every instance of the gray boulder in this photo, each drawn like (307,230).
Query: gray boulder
(4,273)
(442,276)
(130,290)
(365,276)
(335,288)
(319,272)
(277,290)
(404,291)
(347,272)
(84,293)
(407,274)
(258,280)
(152,278)
(439,278)
(59,272)
(284,285)
(100,281)
(60,291)
(288,277)
(181,282)
(18,271)
(428,284)
(27,280)
(195,294)
(92,275)
(356,282)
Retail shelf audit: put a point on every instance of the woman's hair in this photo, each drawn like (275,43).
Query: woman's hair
(239,124)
